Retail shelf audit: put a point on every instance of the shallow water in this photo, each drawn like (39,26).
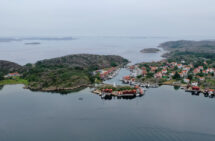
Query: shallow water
(163,114)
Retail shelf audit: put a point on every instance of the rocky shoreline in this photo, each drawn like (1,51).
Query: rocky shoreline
(57,89)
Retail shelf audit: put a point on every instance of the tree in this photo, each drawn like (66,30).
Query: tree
(1,76)
(139,76)
(150,75)
(190,77)
(176,76)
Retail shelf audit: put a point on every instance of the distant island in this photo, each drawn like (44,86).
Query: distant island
(36,38)
(33,43)
(150,50)
(197,48)
(60,74)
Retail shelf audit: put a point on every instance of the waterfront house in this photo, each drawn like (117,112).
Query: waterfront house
(194,83)
(131,67)
(186,80)
(211,91)
(196,88)
(9,75)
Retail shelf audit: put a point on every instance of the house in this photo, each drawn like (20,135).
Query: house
(211,91)
(210,70)
(191,65)
(144,72)
(103,74)
(179,66)
(184,72)
(164,71)
(181,74)
(182,61)
(143,68)
(131,67)
(153,68)
(158,75)
(197,70)
(126,79)
(186,80)
(187,68)
(201,78)
(196,88)
(174,64)
(201,67)
(194,83)
(204,71)
(172,73)
(9,75)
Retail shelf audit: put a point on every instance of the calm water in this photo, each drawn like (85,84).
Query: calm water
(126,47)
(163,114)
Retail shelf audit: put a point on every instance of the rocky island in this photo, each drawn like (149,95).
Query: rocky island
(62,73)
(33,43)
(150,50)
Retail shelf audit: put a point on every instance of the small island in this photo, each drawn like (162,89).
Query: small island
(33,43)
(150,50)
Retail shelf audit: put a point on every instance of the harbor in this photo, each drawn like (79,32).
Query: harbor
(108,91)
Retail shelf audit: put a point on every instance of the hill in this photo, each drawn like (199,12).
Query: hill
(68,72)
(6,66)
(190,46)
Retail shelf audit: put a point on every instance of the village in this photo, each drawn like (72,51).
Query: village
(188,76)
(107,91)
(191,77)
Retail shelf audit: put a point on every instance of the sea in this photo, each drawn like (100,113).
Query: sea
(162,114)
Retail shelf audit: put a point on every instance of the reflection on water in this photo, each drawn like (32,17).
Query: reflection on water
(161,114)
(176,87)
(1,86)
(110,97)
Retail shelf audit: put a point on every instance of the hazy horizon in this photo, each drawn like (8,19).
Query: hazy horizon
(110,18)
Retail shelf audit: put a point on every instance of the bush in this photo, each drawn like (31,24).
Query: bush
(176,76)
(1,76)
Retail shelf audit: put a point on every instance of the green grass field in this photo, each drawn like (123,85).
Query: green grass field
(13,81)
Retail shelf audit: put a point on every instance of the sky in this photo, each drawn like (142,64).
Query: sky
(107,17)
